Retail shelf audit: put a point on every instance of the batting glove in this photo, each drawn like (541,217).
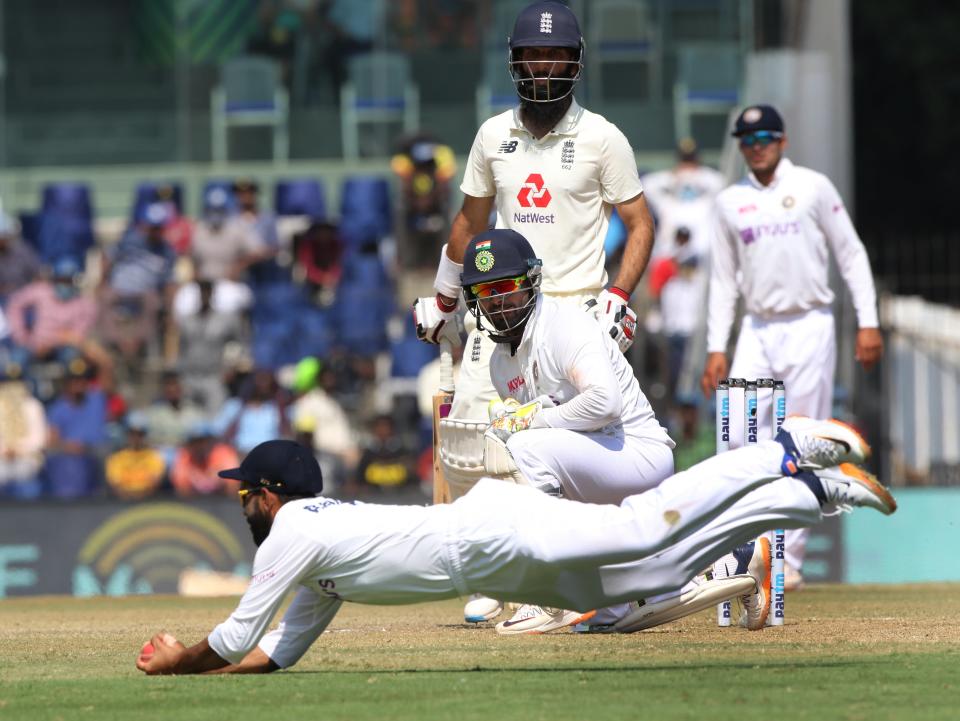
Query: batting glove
(435,320)
(612,312)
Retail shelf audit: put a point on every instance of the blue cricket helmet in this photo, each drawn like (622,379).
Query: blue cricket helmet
(546,24)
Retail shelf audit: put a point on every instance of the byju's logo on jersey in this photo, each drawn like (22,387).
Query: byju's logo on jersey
(508,146)
(534,193)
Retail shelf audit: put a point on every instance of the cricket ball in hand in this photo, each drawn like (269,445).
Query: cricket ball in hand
(146,653)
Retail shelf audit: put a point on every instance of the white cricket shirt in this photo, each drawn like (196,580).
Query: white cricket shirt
(776,236)
(566,355)
(557,191)
(335,552)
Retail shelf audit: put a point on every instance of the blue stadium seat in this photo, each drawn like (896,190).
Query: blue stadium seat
(65,226)
(365,271)
(146,193)
(316,333)
(72,199)
(361,316)
(367,200)
(408,355)
(303,196)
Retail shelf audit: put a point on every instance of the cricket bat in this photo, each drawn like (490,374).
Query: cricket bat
(441,409)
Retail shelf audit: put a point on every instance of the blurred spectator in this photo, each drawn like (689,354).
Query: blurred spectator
(682,196)
(680,280)
(47,315)
(170,417)
(385,464)
(279,30)
(138,285)
(178,230)
(228,297)
(19,264)
(78,425)
(23,434)
(317,412)
(195,469)
(136,470)
(263,222)
(256,415)
(203,338)
(425,169)
(224,247)
(317,257)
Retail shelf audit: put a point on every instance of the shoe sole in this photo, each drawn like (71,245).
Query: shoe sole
(870,482)
(763,583)
(504,629)
(705,596)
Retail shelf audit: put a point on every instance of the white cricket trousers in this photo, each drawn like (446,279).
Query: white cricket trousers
(517,544)
(801,350)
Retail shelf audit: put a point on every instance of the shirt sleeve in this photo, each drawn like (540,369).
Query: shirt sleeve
(306,618)
(477,176)
(850,253)
(619,179)
(723,284)
(278,566)
(583,359)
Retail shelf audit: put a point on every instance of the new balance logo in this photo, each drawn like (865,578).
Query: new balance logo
(546,22)
(508,146)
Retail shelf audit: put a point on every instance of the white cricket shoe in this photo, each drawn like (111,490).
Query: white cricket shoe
(756,604)
(479,608)
(705,593)
(817,444)
(848,486)
(540,619)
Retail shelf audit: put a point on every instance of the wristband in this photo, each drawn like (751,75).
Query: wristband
(619,292)
(444,306)
(447,281)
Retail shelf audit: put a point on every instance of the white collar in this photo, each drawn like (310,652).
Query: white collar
(567,125)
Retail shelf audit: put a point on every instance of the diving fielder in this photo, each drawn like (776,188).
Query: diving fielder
(503,540)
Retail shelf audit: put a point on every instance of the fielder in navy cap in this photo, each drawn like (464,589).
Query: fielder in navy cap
(758,117)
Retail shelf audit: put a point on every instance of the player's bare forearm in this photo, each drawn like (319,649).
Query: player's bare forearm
(471,220)
(639,244)
(254,662)
(171,658)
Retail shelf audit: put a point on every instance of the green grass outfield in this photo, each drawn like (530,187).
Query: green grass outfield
(847,652)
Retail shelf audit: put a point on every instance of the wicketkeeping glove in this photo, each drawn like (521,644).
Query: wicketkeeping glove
(612,312)
(435,321)
(519,418)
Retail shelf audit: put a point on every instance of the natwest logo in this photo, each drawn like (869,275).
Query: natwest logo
(533,192)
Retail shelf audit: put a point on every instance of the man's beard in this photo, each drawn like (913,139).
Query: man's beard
(544,115)
(259,527)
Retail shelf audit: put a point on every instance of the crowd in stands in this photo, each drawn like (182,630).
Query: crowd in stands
(144,366)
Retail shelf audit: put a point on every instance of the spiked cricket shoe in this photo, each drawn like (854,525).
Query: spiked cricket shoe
(479,608)
(540,619)
(847,487)
(756,604)
(814,444)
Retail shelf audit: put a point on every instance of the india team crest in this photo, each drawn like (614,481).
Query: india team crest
(484,261)
(752,115)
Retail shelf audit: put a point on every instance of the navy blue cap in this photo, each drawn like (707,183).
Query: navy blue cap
(284,467)
(546,24)
(496,254)
(758,117)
